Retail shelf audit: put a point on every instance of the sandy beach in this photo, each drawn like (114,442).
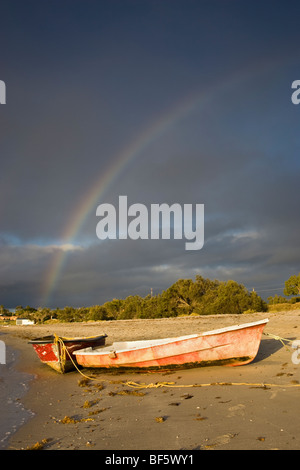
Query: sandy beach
(165,410)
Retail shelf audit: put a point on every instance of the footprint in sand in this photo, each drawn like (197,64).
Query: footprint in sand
(219,441)
(237,410)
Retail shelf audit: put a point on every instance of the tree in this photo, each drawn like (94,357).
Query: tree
(292,285)
(113,308)
(97,312)
(232,298)
(19,310)
(40,315)
(180,296)
(206,294)
(277,299)
(257,304)
(3,310)
(132,308)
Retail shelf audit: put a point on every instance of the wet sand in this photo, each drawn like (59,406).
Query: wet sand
(13,386)
(107,414)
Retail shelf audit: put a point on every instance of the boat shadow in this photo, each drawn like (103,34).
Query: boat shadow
(268,347)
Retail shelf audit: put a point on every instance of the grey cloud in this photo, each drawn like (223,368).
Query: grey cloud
(89,83)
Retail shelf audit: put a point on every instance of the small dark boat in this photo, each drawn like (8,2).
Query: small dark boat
(58,351)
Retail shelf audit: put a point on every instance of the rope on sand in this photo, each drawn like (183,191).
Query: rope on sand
(173,385)
(278,338)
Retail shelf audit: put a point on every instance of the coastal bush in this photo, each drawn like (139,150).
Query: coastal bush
(292,285)
(184,298)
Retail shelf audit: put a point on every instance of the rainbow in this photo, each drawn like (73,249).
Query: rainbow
(96,192)
(195,101)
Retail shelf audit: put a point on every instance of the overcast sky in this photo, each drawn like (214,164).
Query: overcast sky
(164,101)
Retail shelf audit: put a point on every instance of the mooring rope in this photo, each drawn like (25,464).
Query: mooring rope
(278,338)
(173,385)
(65,351)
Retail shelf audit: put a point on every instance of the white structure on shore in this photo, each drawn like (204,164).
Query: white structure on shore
(24,321)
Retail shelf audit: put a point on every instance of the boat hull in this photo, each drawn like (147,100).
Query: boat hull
(234,346)
(58,352)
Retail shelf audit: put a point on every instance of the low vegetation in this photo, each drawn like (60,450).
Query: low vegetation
(185,297)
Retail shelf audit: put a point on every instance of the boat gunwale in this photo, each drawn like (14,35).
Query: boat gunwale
(235,327)
(51,339)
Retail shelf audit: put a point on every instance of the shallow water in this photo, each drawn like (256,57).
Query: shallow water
(13,386)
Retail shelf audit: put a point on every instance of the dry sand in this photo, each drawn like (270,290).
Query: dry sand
(107,414)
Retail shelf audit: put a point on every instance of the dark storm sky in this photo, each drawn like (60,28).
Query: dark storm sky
(208,83)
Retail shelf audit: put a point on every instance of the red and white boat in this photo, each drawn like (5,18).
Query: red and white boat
(235,345)
(58,351)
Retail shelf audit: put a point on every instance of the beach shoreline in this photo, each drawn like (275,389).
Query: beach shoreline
(14,384)
(107,413)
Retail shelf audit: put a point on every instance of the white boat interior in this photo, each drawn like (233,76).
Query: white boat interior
(129,345)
